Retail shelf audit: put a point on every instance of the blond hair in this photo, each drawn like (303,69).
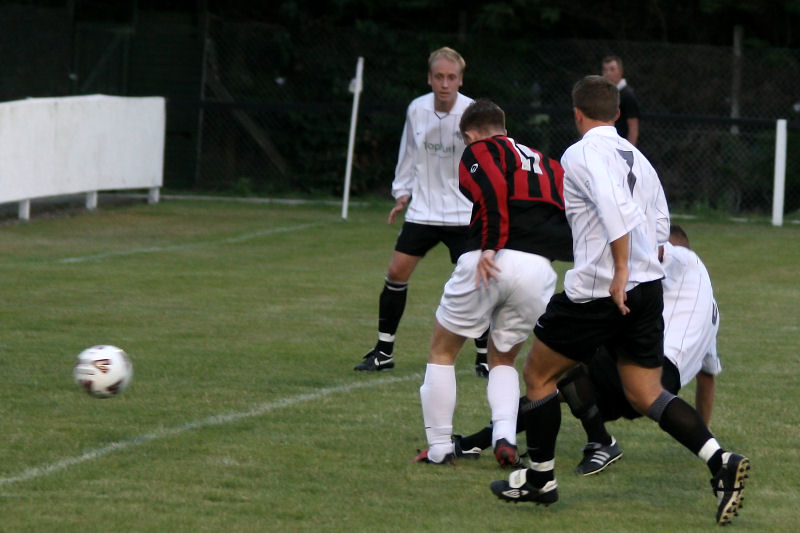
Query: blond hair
(446,52)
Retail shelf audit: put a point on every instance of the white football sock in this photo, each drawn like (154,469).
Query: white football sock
(503,393)
(438,395)
(709,449)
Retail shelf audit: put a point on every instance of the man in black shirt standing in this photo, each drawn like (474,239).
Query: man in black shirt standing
(627,123)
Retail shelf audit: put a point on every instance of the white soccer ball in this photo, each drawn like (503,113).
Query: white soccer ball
(103,371)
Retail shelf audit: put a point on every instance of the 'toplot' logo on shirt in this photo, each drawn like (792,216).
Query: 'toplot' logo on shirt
(439,148)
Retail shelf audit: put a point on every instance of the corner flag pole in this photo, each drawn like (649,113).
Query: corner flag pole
(356,85)
(778,191)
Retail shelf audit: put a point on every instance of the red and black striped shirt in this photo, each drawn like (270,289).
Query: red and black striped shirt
(517,199)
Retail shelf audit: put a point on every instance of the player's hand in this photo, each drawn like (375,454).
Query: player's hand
(617,289)
(399,204)
(487,269)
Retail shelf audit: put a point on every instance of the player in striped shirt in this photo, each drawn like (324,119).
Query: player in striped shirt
(612,297)
(426,186)
(518,227)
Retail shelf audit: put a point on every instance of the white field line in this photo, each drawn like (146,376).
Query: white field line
(256,200)
(154,249)
(216,420)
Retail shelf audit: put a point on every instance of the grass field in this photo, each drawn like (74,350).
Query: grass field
(244,321)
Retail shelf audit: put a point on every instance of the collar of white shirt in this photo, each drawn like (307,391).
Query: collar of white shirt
(622,84)
(603,131)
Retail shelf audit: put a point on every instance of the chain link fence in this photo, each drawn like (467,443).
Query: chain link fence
(278,110)
(271,110)
(36,66)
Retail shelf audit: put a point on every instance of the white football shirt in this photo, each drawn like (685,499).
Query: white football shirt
(691,317)
(427,165)
(611,189)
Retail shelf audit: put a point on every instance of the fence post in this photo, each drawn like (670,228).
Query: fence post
(736,74)
(355,88)
(24,210)
(780,172)
(198,158)
(153,195)
(91,200)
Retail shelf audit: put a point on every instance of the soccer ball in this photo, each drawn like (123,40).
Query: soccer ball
(103,371)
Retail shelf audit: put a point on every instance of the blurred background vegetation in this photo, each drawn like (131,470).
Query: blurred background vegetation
(258,99)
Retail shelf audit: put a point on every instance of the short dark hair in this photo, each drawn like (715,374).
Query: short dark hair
(482,114)
(677,236)
(610,58)
(596,97)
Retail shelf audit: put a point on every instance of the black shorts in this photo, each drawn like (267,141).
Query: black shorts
(578,330)
(611,400)
(417,239)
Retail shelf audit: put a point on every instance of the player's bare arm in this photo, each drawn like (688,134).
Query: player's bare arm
(487,269)
(619,252)
(399,205)
(633,130)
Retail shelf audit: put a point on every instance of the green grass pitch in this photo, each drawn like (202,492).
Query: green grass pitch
(244,320)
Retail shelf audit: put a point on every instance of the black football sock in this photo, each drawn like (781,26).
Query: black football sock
(577,389)
(482,439)
(684,424)
(522,413)
(596,429)
(482,343)
(543,422)
(391,305)
(715,463)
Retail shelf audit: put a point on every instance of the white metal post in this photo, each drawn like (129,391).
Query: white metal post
(355,87)
(780,172)
(91,200)
(24,210)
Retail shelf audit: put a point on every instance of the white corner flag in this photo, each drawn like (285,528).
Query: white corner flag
(356,85)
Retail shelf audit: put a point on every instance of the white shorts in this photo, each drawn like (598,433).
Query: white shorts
(511,305)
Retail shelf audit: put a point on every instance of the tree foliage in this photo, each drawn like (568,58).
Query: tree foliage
(773,23)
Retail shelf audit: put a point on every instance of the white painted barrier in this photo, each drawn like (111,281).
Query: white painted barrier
(83,144)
